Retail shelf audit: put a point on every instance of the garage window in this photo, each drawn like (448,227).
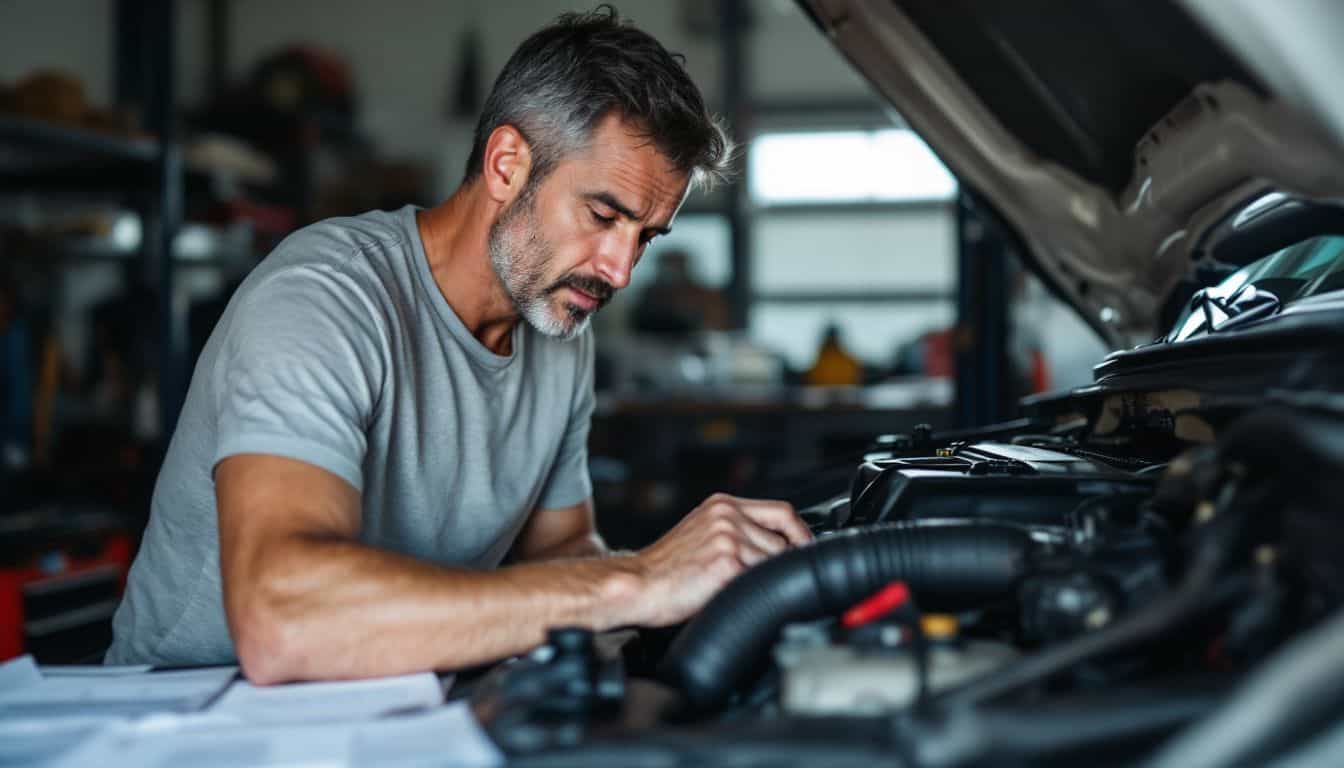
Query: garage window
(853,228)
(882,166)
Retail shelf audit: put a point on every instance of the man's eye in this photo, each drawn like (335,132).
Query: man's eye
(602,219)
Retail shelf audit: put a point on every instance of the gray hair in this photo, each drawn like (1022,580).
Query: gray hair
(570,75)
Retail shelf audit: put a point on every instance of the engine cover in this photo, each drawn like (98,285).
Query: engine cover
(988,481)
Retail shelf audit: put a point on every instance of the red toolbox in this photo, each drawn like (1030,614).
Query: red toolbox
(61,577)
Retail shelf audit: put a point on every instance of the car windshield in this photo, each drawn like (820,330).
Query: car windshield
(1308,268)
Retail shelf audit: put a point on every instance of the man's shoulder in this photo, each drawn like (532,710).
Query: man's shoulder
(339,240)
(337,269)
(351,255)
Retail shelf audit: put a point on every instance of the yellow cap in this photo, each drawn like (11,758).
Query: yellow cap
(939,626)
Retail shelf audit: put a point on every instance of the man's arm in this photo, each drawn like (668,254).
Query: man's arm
(305,600)
(558,533)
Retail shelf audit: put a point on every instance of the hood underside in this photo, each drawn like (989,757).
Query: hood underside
(1110,134)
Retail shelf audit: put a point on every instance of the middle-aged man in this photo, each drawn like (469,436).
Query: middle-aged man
(392,403)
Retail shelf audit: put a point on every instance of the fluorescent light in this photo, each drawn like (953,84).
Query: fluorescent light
(891,165)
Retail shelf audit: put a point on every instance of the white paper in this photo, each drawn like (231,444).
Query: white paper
(124,696)
(19,673)
(443,736)
(329,701)
(86,670)
(231,745)
(36,742)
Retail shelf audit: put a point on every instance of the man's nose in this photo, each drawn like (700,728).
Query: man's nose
(616,260)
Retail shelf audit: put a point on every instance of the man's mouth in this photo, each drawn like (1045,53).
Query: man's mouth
(586,293)
(582,300)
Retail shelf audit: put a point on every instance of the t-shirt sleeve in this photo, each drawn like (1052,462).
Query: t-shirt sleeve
(569,482)
(299,372)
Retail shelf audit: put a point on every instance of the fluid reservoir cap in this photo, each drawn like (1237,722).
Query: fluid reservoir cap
(939,626)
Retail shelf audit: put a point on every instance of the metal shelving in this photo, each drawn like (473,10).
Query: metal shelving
(48,159)
(41,136)
(45,158)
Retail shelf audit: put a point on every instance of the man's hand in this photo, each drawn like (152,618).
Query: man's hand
(305,600)
(708,548)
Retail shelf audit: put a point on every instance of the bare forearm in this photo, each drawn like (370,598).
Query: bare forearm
(332,608)
(587,545)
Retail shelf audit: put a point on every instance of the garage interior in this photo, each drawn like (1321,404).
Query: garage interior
(842,294)
(711,393)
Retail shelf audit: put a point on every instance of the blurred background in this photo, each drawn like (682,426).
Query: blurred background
(152,152)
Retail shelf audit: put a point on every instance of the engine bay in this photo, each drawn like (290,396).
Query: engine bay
(1032,593)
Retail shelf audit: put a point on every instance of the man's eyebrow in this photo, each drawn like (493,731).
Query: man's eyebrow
(609,200)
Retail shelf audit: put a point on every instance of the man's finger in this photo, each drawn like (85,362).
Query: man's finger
(750,554)
(779,517)
(765,539)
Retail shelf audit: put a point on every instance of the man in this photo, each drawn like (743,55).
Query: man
(393,402)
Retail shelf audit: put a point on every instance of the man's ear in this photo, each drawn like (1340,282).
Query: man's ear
(508,161)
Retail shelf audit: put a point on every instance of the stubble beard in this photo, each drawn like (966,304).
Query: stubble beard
(521,258)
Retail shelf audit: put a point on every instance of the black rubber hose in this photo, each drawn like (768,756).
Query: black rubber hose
(948,566)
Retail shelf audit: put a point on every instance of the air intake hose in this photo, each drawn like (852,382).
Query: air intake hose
(948,567)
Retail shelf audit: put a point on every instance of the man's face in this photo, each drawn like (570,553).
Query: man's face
(565,246)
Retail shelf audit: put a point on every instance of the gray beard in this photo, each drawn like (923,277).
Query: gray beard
(520,258)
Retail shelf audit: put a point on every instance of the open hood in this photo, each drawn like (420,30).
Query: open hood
(1112,134)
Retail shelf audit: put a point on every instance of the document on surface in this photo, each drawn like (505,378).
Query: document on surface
(19,673)
(46,712)
(100,717)
(329,701)
(33,742)
(92,670)
(442,736)
(117,695)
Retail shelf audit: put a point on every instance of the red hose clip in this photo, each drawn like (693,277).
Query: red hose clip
(886,600)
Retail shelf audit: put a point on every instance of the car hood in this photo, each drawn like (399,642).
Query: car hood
(1111,134)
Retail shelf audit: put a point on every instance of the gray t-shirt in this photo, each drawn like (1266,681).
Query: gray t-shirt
(340,351)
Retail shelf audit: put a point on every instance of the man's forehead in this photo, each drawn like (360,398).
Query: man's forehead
(625,164)
(642,194)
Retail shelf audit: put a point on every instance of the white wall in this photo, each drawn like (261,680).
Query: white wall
(791,61)
(403,55)
(403,52)
(400,54)
(74,36)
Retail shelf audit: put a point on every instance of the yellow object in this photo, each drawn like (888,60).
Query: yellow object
(939,626)
(834,367)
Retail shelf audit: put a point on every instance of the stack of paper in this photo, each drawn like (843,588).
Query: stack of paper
(100,716)
(329,702)
(443,736)
(113,693)
(45,713)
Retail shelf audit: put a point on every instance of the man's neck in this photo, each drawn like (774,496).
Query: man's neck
(456,236)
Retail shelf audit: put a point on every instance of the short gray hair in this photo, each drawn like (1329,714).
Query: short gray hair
(570,75)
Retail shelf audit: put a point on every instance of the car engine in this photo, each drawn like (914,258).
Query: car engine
(1087,583)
